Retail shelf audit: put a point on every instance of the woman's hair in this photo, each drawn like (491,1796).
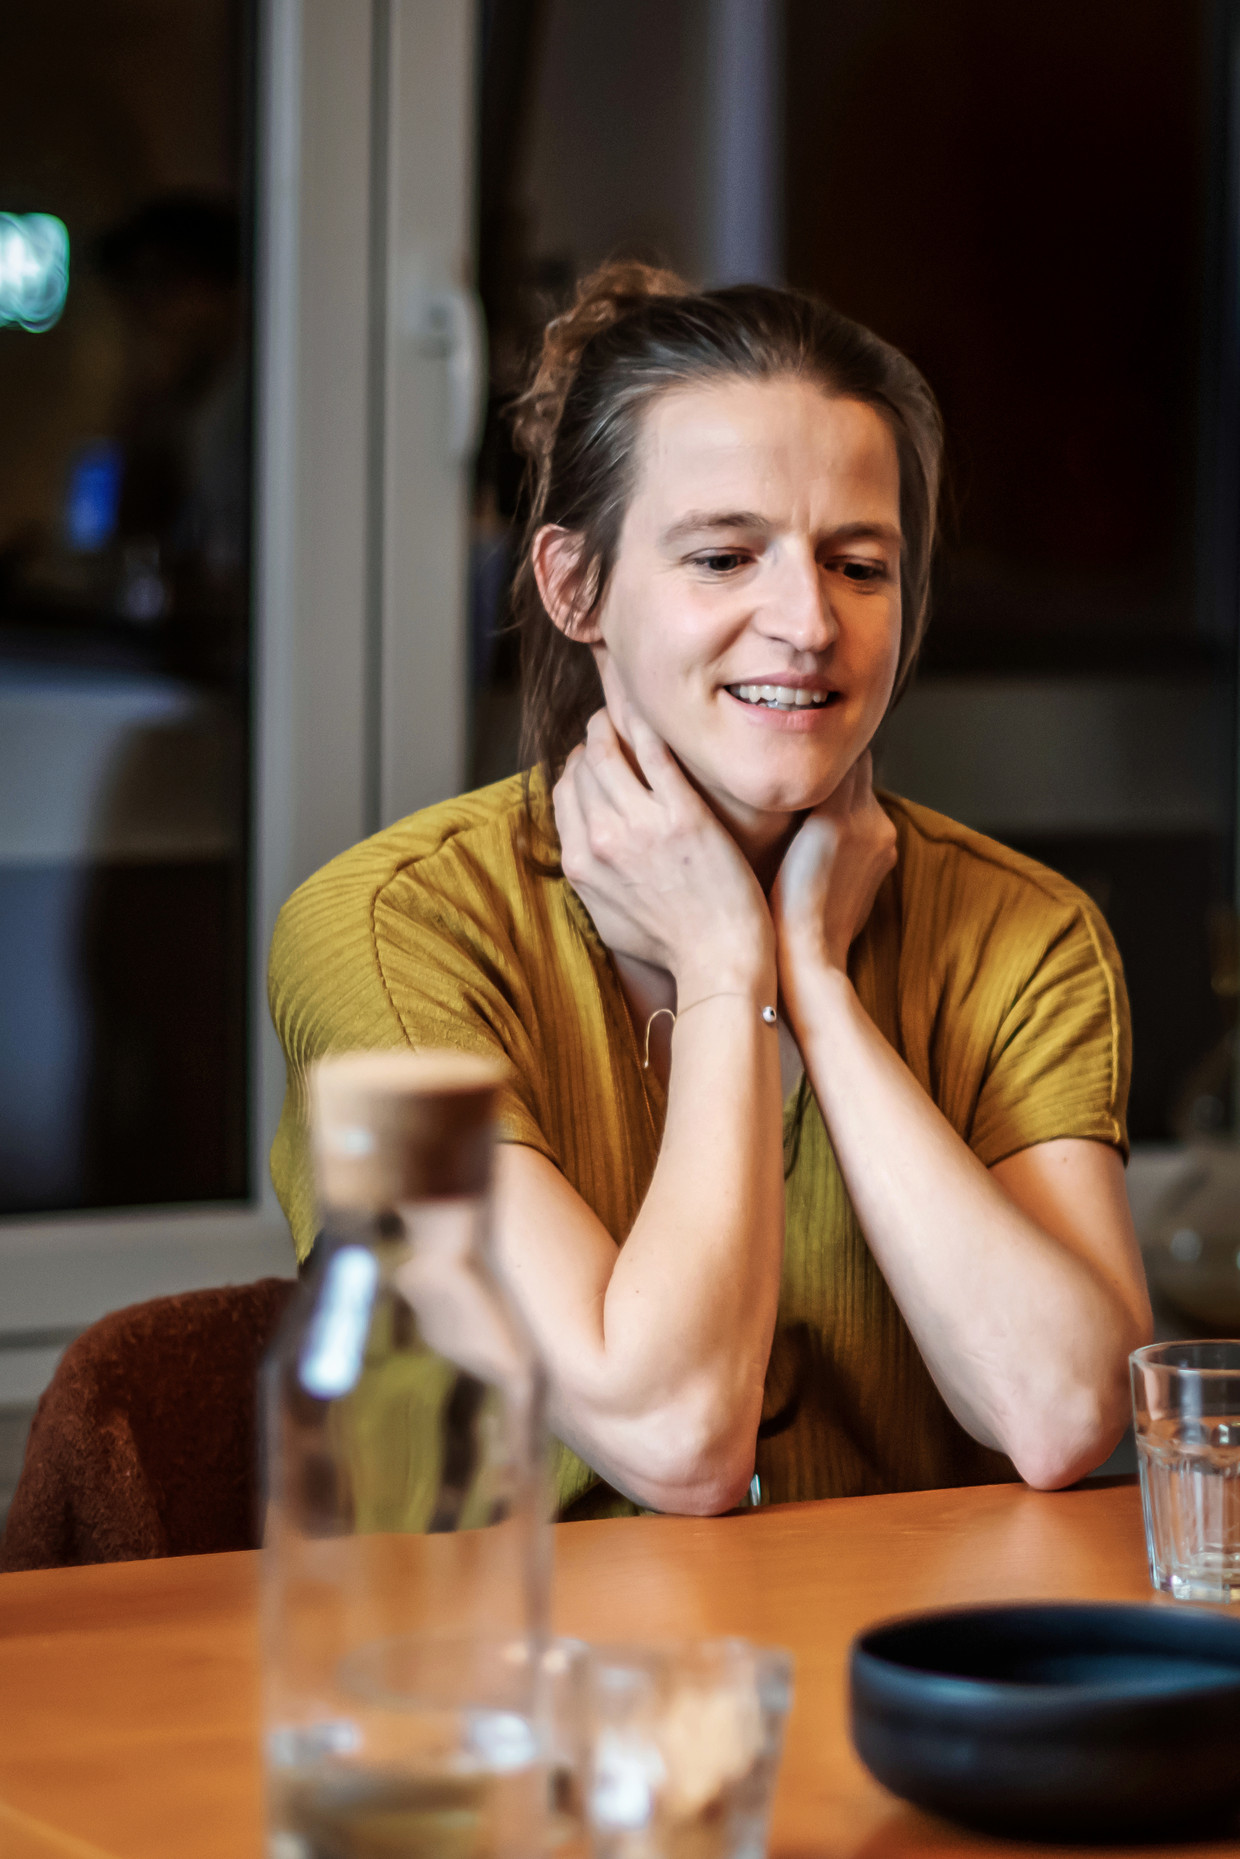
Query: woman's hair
(632,334)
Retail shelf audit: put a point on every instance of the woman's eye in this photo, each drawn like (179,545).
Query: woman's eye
(722,561)
(863,571)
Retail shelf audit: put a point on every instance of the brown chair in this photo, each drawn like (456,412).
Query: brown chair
(145,1443)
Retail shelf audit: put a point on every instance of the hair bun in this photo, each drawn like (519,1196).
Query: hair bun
(604,297)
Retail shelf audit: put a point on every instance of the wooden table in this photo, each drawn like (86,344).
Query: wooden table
(129,1693)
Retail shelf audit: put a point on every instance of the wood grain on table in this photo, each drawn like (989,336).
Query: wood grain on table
(129,1692)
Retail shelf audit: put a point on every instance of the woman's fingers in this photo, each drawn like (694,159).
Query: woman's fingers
(608,796)
(655,762)
(619,767)
(655,759)
(607,826)
(833,870)
(854,792)
(612,779)
(570,821)
(661,877)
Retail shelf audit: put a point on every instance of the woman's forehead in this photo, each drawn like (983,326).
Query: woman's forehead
(738,444)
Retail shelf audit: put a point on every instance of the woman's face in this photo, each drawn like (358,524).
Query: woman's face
(753,613)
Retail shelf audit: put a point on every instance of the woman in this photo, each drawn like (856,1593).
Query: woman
(876,1241)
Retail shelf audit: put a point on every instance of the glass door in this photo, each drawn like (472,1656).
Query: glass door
(126,208)
(240,366)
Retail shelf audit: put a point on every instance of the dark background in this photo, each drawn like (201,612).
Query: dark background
(1034,204)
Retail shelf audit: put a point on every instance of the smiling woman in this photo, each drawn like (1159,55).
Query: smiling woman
(879,1239)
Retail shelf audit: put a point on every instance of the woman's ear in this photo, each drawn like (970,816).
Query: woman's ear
(556,559)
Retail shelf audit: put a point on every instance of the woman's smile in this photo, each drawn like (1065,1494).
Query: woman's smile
(773,694)
(785,702)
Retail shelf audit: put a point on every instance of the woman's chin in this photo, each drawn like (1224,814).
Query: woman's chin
(764,794)
(785,783)
(781,781)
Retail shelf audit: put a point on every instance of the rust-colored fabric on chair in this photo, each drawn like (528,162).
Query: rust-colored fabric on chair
(145,1443)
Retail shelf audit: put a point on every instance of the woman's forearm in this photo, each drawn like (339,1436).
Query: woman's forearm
(1025,1338)
(658,1350)
(690,1307)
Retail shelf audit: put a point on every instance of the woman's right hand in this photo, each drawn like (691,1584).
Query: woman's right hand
(657,1349)
(663,880)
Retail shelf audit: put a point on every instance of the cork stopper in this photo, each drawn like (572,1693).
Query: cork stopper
(388,1128)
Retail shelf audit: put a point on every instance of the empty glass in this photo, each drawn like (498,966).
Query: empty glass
(684,1743)
(1186,1402)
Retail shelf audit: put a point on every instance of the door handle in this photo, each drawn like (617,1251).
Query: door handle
(448,324)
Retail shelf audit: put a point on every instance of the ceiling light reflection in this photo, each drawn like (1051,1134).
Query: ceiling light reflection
(34,270)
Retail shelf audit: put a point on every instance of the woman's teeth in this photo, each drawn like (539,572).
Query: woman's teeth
(781,696)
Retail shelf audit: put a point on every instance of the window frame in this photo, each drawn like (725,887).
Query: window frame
(328,189)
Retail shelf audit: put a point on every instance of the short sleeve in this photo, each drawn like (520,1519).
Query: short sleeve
(371,956)
(1060,1061)
(455,980)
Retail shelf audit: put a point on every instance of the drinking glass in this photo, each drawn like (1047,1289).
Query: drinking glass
(1186,1402)
(684,1743)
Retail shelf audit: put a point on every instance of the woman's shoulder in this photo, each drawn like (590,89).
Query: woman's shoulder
(399,941)
(978,919)
(944,863)
(1009,999)
(462,857)
(487,828)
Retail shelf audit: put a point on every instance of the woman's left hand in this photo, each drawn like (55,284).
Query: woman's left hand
(1022,1285)
(829,878)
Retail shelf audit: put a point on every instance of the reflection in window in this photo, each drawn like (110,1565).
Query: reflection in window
(124,604)
(34,269)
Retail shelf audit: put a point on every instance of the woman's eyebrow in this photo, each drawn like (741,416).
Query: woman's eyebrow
(867,532)
(698,521)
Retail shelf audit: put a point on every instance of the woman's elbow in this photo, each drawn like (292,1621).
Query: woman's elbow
(1078,1429)
(1061,1459)
(695,1464)
(1070,1422)
(714,1490)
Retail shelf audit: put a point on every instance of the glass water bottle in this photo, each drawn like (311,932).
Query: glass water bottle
(406,1551)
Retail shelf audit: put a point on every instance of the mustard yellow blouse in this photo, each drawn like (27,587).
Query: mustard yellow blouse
(996,981)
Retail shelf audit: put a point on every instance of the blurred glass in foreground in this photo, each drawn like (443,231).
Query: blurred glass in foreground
(406,1553)
(684,1748)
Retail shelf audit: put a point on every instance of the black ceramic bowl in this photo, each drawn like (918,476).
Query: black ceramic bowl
(1056,1722)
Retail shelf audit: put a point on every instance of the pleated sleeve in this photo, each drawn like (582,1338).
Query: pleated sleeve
(385,949)
(1061,1056)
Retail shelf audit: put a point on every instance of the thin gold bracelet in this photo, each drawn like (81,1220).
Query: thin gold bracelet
(768,1015)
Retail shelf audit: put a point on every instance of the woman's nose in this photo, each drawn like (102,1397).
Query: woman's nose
(798,609)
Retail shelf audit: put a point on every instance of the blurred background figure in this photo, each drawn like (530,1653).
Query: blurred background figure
(180,425)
